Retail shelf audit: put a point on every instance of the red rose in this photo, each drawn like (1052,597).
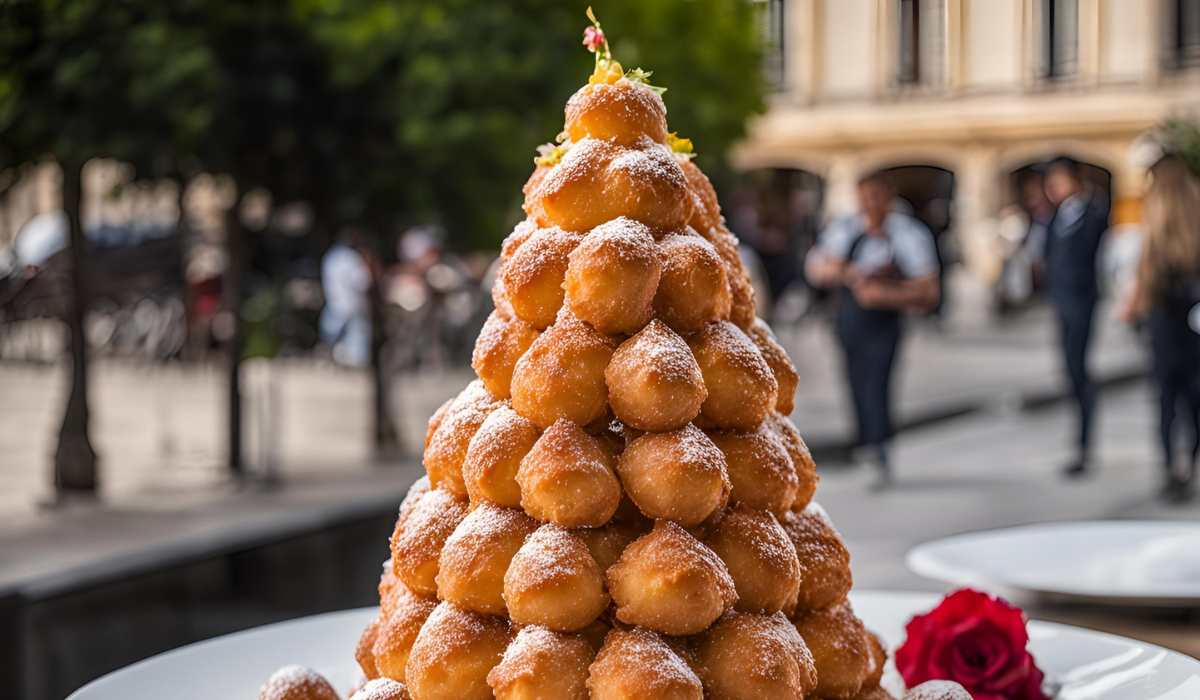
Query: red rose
(976,640)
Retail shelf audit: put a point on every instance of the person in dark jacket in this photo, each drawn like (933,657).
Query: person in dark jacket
(1072,244)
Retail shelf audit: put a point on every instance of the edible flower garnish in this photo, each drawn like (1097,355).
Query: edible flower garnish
(680,146)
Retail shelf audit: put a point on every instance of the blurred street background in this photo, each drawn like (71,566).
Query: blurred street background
(246,248)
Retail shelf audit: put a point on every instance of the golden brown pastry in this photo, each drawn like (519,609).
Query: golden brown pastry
(760,559)
(364,652)
(606,543)
(742,311)
(654,382)
(874,692)
(543,665)
(781,365)
(878,660)
(533,275)
(568,478)
(595,632)
(397,632)
(297,683)
(499,345)
(824,560)
(677,476)
(621,112)
(750,657)
(636,664)
(612,277)
(759,467)
(741,388)
(494,455)
(477,555)
(382,689)
(802,461)
(562,375)
(598,181)
(670,582)
(554,582)
(454,653)
(693,289)
(706,211)
(448,445)
(418,540)
(840,650)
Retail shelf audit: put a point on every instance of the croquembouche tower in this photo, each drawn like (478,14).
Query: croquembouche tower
(619,507)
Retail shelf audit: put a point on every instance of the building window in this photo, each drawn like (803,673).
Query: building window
(771,25)
(921,45)
(1060,38)
(1183,33)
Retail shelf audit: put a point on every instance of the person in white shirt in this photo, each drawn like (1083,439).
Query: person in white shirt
(884,263)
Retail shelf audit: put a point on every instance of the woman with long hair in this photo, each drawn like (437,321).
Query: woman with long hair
(1166,294)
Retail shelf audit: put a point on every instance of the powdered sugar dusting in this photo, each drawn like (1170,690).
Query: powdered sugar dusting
(382,689)
(658,355)
(297,681)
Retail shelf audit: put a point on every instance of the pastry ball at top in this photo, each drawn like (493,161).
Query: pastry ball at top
(477,555)
(495,454)
(654,382)
(622,112)
(612,276)
(750,657)
(382,689)
(781,365)
(419,538)
(706,212)
(760,558)
(398,631)
(454,653)
(824,560)
(554,582)
(543,665)
(638,664)
(760,470)
(677,476)
(297,683)
(670,582)
(840,649)
(598,181)
(802,461)
(448,445)
(693,289)
(741,387)
(568,478)
(533,275)
(499,345)
(562,375)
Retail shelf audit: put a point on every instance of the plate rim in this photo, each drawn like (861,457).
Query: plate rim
(921,561)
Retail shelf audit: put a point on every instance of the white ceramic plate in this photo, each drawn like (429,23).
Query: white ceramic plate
(1090,665)
(1125,562)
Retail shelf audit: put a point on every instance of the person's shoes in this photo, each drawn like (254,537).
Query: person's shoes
(1076,469)
(1178,489)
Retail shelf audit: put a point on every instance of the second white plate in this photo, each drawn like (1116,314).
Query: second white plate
(1124,562)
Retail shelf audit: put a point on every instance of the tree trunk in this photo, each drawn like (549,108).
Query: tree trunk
(75,460)
(387,438)
(232,289)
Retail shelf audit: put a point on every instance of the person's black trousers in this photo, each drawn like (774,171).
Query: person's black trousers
(1176,351)
(1075,331)
(870,348)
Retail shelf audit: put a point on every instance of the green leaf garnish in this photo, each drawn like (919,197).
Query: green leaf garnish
(637,75)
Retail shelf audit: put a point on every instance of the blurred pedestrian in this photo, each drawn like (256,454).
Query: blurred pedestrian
(1166,294)
(884,263)
(1072,244)
(345,321)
